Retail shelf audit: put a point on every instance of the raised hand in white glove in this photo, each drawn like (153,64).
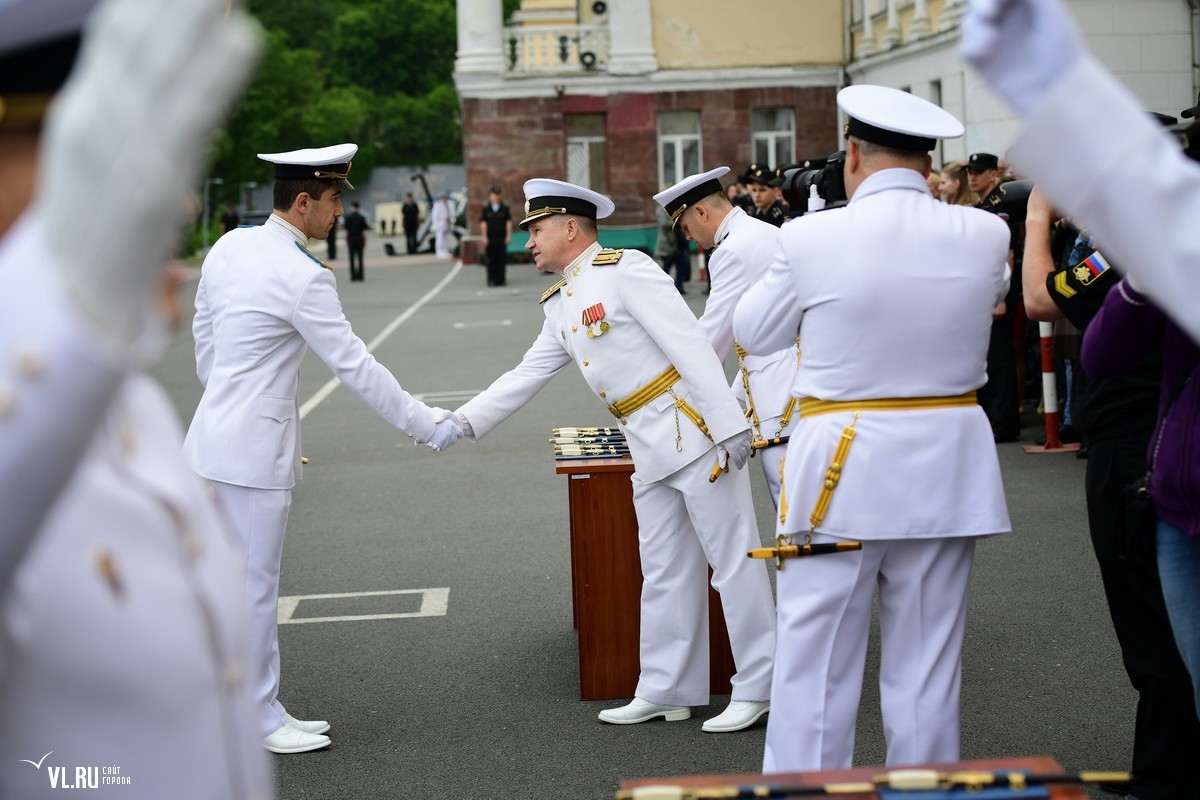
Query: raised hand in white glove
(1021,47)
(124,142)
(445,433)
(734,451)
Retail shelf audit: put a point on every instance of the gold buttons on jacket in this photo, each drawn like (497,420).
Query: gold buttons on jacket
(624,421)
(29,362)
(603,394)
(574,328)
(585,362)
(570,293)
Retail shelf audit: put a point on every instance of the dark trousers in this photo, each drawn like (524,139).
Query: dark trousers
(331,243)
(410,240)
(683,267)
(497,259)
(1166,733)
(999,395)
(356,257)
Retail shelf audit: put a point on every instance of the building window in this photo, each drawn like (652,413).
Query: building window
(773,136)
(587,164)
(935,97)
(678,146)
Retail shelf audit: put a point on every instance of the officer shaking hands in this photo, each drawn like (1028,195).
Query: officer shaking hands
(618,316)
(262,301)
(891,448)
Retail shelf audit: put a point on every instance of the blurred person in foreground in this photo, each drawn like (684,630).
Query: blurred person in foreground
(921,481)
(123,636)
(1141,193)
(1116,415)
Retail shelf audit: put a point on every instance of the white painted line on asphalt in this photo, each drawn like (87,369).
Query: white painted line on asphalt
(333,383)
(493,292)
(483,323)
(434,603)
(442,397)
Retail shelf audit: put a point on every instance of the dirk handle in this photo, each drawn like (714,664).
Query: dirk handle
(716,472)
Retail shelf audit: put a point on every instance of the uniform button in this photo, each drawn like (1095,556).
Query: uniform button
(233,675)
(574,328)
(29,362)
(624,421)
(585,362)
(604,394)
(570,293)
(6,401)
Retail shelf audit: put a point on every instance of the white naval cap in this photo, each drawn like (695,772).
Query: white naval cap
(896,119)
(326,163)
(546,196)
(679,197)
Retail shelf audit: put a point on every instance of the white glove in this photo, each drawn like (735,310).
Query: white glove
(734,451)
(1021,47)
(124,142)
(445,433)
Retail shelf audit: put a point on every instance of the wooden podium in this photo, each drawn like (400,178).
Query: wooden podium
(606,583)
(1031,764)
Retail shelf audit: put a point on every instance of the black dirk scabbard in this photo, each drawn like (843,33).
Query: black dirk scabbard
(784,549)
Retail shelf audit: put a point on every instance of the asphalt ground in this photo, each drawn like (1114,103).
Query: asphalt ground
(482,701)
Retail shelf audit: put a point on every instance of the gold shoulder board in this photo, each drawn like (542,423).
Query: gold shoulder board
(606,257)
(552,290)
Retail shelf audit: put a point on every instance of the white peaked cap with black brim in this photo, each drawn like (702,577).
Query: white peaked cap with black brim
(546,196)
(896,119)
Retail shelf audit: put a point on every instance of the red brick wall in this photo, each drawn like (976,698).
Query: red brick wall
(509,141)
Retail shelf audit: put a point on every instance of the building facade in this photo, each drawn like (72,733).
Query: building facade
(626,96)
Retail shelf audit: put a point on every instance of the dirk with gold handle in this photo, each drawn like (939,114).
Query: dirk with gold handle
(762,444)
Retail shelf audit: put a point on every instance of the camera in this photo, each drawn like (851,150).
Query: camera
(1188,135)
(824,173)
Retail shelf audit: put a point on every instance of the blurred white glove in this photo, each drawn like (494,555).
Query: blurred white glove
(445,433)
(124,142)
(1021,47)
(734,451)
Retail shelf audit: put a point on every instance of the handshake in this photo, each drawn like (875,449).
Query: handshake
(449,427)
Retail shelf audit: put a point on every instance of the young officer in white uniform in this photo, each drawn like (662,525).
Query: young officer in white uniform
(745,248)
(892,298)
(1126,178)
(123,635)
(619,317)
(263,300)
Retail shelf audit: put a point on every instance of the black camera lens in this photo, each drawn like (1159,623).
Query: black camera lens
(824,173)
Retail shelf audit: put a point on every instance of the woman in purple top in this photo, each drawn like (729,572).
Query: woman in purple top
(1128,326)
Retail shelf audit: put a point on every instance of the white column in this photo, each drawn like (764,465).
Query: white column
(920,24)
(951,14)
(480,37)
(867,46)
(891,36)
(631,38)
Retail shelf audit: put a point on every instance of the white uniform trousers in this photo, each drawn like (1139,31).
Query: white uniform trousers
(769,459)
(685,524)
(824,615)
(259,518)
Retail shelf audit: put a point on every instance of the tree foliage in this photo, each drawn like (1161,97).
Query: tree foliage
(375,72)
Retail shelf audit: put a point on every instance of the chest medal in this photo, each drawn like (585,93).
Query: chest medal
(593,320)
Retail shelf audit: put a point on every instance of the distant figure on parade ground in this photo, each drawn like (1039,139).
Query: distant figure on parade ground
(495,226)
(889,411)
(356,240)
(442,224)
(262,301)
(122,626)
(331,246)
(411,214)
(642,351)
(230,219)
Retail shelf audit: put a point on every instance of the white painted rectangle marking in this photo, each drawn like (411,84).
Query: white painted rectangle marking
(483,323)
(434,603)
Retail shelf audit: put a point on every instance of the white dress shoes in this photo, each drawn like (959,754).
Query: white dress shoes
(286,739)
(308,726)
(738,715)
(643,710)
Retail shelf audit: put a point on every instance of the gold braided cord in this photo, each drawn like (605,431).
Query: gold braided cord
(812,407)
(833,475)
(643,396)
(693,415)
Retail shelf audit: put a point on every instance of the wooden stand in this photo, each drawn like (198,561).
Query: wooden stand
(1033,764)
(606,583)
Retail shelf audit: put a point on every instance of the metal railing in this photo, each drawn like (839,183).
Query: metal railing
(547,50)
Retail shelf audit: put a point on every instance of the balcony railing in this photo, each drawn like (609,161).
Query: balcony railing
(548,50)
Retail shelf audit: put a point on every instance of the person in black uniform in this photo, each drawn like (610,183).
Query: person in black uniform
(999,397)
(230,219)
(495,226)
(410,213)
(356,240)
(1116,417)
(759,180)
(331,242)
